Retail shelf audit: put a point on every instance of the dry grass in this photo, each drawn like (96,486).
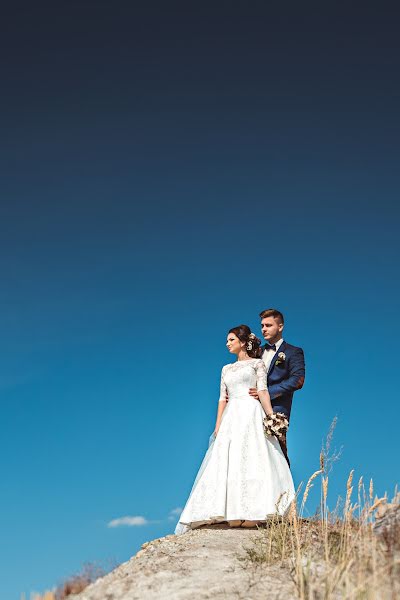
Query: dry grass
(339,554)
(73,585)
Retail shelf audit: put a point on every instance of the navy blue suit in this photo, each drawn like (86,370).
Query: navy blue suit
(285,376)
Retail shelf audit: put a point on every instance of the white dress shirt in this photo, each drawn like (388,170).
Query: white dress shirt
(269,354)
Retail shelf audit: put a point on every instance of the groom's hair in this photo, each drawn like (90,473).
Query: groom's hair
(272,312)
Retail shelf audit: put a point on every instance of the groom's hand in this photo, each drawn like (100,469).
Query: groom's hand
(253,392)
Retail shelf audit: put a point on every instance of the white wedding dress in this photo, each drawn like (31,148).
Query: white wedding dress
(244,474)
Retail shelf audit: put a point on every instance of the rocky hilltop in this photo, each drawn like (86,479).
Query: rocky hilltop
(204,563)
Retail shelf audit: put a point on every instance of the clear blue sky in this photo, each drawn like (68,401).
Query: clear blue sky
(164,177)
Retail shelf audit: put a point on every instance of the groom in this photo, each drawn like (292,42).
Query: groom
(285,366)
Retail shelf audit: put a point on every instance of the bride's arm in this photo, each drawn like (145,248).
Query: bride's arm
(222,400)
(265,400)
(262,391)
(221,407)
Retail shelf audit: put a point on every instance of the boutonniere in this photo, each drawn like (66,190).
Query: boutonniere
(281,358)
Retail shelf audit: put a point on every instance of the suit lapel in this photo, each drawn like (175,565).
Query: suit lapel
(280,349)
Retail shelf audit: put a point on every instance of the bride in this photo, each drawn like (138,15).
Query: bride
(244,477)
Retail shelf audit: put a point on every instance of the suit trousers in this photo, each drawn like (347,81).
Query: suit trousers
(283,445)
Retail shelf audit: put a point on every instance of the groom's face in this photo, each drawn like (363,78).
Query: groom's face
(271,329)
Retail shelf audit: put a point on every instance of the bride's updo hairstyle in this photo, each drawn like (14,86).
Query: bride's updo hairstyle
(253,344)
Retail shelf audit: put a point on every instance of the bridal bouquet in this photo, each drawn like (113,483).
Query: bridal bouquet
(276,424)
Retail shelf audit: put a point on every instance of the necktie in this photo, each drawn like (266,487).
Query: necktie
(270,347)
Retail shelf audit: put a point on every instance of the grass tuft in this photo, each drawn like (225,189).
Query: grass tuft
(73,585)
(352,553)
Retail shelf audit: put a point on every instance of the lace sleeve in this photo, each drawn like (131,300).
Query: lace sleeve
(223,389)
(261,374)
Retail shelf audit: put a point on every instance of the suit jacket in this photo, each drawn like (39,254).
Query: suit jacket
(285,376)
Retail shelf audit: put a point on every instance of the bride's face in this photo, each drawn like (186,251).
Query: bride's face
(233,343)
